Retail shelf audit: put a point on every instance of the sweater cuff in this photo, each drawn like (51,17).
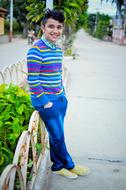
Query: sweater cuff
(41,101)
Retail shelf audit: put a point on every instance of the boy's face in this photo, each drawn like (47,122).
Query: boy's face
(52,30)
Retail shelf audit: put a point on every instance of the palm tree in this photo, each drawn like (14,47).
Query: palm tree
(71,8)
(119,4)
(35,10)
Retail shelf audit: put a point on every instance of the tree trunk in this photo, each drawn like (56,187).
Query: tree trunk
(118,5)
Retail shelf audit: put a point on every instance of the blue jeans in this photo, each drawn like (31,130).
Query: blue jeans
(54,121)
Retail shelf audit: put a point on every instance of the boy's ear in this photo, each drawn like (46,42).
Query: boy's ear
(43,28)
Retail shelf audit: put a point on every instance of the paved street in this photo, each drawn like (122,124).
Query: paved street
(95,125)
(12,53)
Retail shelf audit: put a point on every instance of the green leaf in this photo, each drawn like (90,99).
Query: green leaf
(5,116)
(2,87)
(13,137)
(20,109)
(21,119)
(16,127)
(1,123)
(38,147)
(30,163)
(8,123)
(2,160)
(10,98)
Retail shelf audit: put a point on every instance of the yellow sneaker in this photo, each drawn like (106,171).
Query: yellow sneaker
(66,173)
(80,170)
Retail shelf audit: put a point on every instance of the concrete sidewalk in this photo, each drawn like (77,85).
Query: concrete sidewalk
(95,125)
(13,52)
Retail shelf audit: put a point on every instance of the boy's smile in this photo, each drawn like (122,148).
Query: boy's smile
(52,30)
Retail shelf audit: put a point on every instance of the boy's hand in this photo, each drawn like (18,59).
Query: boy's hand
(49,105)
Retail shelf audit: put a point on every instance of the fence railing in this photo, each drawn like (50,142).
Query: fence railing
(15,73)
(26,150)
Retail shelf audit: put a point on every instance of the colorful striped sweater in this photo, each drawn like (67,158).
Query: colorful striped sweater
(44,64)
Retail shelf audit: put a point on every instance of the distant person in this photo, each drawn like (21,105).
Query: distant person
(110,31)
(44,62)
(31,36)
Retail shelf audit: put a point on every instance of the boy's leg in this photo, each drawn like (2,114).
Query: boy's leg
(53,118)
(58,151)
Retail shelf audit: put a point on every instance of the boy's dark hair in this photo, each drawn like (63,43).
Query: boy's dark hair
(54,14)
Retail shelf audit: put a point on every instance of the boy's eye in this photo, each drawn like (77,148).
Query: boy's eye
(51,26)
(59,27)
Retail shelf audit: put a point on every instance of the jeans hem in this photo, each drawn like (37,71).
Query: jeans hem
(57,169)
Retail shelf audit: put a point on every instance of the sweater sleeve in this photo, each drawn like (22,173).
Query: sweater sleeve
(34,63)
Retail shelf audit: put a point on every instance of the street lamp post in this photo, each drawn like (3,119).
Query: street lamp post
(49,4)
(11,21)
(96,19)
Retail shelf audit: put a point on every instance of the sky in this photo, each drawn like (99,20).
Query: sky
(106,8)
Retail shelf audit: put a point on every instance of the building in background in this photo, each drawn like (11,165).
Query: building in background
(2,16)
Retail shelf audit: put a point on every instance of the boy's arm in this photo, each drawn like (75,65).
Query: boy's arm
(34,63)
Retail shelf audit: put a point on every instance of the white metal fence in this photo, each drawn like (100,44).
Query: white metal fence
(15,73)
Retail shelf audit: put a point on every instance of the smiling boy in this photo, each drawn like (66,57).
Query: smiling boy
(44,62)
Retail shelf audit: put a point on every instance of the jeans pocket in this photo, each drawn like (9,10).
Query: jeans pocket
(53,110)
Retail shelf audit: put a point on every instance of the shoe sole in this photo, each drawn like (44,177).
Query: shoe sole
(69,177)
(86,174)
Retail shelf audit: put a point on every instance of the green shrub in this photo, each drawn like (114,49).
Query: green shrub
(16,27)
(89,23)
(15,112)
(103,22)
(97,25)
(68,52)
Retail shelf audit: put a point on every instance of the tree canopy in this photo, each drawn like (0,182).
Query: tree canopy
(31,11)
(71,8)
(19,10)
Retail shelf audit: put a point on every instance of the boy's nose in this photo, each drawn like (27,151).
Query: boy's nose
(55,29)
